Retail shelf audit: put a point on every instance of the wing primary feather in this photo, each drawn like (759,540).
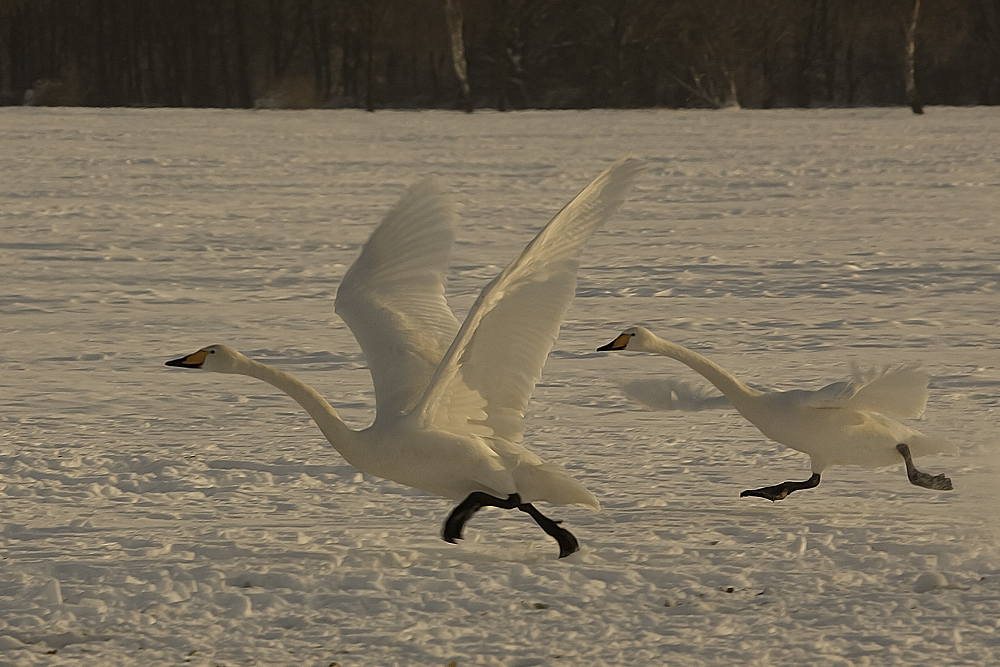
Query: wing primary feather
(501,347)
(393,296)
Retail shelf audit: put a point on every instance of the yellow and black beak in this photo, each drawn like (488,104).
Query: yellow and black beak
(617,344)
(190,361)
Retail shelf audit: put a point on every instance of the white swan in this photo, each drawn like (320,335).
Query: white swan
(450,399)
(846,423)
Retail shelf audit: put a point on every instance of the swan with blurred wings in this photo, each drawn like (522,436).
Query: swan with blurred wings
(845,423)
(450,398)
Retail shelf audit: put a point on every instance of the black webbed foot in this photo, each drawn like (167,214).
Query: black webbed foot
(772,493)
(935,482)
(456,521)
(780,491)
(568,543)
(920,478)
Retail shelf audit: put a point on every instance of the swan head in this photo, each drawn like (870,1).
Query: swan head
(636,339)
(215,358)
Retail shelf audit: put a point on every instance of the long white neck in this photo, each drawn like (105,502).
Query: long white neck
(343,439)
(731,387)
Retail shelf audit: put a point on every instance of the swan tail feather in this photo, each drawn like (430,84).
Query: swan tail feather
(551,483)
(922,445)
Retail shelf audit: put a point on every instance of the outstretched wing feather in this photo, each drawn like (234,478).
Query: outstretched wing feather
(393,296)
(501,347)
(899,392)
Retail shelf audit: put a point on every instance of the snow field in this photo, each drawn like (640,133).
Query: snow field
(154,517)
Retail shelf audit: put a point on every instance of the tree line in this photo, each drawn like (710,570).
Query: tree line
(502,54)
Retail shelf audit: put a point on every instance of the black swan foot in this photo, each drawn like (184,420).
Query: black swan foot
(456,521)
(568,543)
(477,500)
(780,491)
(920,478)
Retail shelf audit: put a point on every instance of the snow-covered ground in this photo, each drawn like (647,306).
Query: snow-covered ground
(158,517)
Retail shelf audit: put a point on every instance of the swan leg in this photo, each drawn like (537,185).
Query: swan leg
(473,503)
(779,491)
(477,500)
(919,478)
(567,541)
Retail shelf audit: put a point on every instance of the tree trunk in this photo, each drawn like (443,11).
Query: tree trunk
(829,51)
(912,94)
(849,73)
(453,13)
(244,96)
(500,21)
(319,31)
(370,59)
(803,70)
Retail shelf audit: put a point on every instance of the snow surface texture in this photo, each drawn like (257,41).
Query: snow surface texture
(158,517)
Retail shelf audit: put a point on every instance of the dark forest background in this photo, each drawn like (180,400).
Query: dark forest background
(503,54)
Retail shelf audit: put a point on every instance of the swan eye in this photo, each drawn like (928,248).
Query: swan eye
(211,351)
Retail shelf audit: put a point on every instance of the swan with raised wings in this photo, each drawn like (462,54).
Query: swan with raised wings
(450,398)
(845,423)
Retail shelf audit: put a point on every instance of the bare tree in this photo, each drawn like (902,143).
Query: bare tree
(987,36)
(453,14)
(912,94)
(543,53)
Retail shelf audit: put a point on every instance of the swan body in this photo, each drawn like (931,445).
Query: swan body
(845,423)
(450,397)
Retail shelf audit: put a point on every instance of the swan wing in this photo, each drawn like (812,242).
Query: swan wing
(899,392)
(486,378)
(671,394)
(833,395)
(392,297)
